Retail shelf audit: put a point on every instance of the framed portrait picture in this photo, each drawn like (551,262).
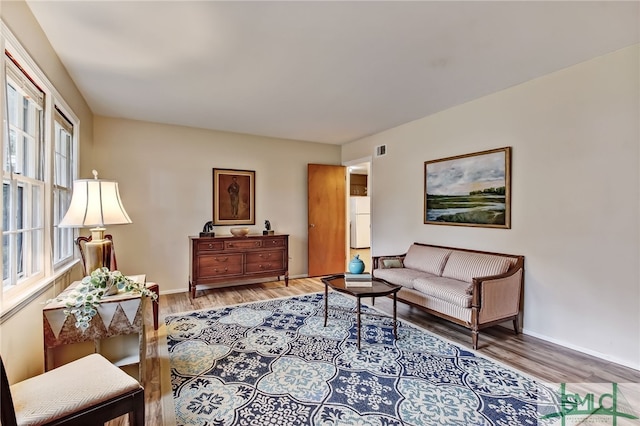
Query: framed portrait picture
(469,190)
(234,197)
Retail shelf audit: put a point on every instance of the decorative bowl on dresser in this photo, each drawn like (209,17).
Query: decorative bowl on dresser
(239,232)
(227,261)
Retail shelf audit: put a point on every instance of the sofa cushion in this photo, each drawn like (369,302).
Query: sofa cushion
(426,259)
(465,266)
(390,262)
(399,276)
(447,289)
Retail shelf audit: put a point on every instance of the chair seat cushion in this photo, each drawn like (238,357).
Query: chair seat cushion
(68,389)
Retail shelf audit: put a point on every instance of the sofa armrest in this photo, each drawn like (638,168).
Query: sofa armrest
(376,259)
(498,296)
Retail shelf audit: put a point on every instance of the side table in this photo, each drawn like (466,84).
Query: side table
(117,332)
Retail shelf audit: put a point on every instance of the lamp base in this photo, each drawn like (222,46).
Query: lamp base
(97,254)
(97,233)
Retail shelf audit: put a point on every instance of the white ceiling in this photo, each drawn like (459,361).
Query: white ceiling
(328,72)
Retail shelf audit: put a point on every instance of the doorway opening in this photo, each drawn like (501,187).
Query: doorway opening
(359,211)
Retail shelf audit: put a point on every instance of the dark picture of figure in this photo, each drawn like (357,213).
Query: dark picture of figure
(234,196)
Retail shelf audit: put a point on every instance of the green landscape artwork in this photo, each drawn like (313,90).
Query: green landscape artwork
(469,190)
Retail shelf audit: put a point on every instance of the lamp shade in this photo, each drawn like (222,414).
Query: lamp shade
(95,202)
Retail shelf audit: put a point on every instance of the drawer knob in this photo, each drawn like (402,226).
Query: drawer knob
(221,259)
(225,269)
(210,245)
(263,255)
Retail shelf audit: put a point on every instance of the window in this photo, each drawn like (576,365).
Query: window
(22,179)
(39,145)
(62,186)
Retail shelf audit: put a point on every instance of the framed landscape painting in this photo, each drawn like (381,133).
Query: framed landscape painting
(234,197)
(469,190)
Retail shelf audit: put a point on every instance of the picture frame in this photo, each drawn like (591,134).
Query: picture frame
(234,197)
(469,190)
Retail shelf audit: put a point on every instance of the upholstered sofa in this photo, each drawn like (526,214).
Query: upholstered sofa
(472,288)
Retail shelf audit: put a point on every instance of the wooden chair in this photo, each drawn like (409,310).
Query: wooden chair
(81,241)
(88,391)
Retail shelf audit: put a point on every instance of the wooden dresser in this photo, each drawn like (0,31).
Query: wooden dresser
(226,261)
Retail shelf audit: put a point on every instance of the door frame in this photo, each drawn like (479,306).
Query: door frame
(355,162)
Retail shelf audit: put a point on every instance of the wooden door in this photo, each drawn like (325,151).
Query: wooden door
(327,232)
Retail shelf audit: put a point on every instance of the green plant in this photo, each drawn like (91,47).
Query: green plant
(84,300)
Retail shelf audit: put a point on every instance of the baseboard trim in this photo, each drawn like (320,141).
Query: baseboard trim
(248,282)
(581,349)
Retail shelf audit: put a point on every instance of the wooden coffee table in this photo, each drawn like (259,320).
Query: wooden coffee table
(378,288)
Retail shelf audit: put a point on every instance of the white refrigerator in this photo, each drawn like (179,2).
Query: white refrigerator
(360,221)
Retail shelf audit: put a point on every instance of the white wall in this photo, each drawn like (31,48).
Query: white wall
(576,196)
(165,178)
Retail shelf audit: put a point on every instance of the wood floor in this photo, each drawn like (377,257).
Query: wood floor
(546,361)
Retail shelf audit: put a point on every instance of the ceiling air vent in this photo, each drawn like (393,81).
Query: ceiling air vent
(381,150)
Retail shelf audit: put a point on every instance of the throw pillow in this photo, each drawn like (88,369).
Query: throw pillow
(391,262)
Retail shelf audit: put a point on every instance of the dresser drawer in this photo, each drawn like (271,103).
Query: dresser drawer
(273,242)
(264,261)
(265,256)
(242,244)
(210,245)
(265,266)
(219,265)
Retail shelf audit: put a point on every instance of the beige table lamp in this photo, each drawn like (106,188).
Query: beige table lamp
(95,203)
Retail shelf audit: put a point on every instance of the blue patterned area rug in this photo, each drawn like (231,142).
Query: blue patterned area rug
(274,363)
